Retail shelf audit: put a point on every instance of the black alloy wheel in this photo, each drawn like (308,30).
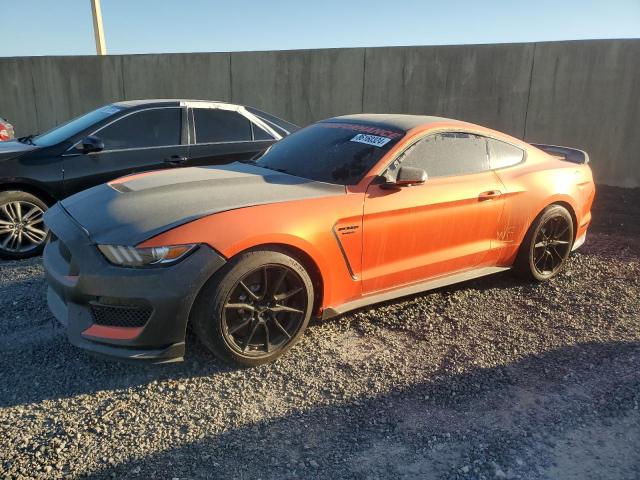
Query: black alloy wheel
(255,308)
(547,245)
(265,310)
(552,245)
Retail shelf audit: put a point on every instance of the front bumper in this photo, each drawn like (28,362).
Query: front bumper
(579,242)
(129,313)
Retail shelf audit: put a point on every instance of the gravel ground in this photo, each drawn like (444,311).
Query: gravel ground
(494,378)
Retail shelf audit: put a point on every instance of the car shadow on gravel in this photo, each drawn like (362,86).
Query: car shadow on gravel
(525,418)
(66,371)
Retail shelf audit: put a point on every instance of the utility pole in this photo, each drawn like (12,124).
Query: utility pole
(98,31)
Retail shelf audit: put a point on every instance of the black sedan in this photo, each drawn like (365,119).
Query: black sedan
(116,140)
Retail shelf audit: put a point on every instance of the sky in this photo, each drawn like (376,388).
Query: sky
(64,27)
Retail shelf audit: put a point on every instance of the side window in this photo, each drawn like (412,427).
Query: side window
(260,134)
(502,154)
(149,128)
(214,125)
(448,154)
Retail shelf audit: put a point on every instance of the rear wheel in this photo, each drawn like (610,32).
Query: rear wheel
(22,230)
(254,309)
(547,245)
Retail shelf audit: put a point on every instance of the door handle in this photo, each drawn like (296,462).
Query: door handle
(489,195)
(175,159)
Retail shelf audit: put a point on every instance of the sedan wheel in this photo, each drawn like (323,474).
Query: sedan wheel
(22,229)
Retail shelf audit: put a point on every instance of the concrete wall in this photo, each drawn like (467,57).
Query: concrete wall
(587,94)
(485,84)
(302,86)
(581,93)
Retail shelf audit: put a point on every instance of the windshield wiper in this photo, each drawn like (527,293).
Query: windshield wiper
(254,159)
(27,139)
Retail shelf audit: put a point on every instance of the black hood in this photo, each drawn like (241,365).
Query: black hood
(14,148)
(135,209)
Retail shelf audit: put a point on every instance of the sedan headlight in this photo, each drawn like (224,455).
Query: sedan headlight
(125,256)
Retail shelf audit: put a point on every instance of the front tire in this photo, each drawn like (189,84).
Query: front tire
(546,246)
(23,233)
(255,308)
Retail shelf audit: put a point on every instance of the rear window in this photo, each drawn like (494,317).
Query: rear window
(215,125)
(331,152)
(281,126)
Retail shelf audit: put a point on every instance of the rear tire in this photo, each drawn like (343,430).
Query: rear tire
(546,246)
(255,308)
(23,233)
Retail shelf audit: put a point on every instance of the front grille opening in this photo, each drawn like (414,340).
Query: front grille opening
(120,316)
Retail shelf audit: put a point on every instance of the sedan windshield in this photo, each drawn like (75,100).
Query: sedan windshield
(73,127)
(331,152)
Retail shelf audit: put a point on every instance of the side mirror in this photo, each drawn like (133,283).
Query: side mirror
(91,144)
(406,177)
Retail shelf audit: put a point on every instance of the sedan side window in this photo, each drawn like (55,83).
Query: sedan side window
(158,127)
(447,154)
(502,154)
(260,134)
(215,125)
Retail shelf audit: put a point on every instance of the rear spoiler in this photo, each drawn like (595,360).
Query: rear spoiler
(567,154)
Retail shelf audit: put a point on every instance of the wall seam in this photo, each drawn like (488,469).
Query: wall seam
(526,109)
(124,90)
(230,80)
(35,99)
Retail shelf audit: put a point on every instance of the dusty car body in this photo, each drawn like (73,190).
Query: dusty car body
(350,211)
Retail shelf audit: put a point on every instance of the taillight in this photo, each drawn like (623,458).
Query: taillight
(6,132)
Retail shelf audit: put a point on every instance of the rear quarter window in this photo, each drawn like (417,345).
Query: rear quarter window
(502,154)
(259,133)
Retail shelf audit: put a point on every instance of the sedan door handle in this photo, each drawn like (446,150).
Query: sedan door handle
(175,159)
(489,195)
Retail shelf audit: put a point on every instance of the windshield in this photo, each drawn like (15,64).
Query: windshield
(73,127)
(331,152)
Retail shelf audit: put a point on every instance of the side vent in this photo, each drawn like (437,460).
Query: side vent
(343,231)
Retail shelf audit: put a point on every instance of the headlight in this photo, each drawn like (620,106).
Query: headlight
(141,257)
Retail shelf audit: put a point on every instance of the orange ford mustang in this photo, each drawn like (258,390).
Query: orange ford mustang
(344,213)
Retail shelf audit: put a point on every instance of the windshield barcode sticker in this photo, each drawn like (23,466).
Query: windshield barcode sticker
(374,140)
